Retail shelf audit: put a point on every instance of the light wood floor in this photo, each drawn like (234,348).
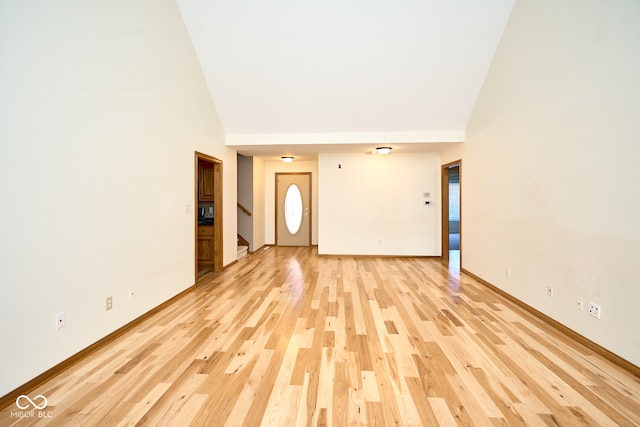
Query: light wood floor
(287,337)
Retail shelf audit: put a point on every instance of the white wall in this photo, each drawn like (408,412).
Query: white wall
(258,204)
(251,196)
(229,193)
(550,176)
(102,107)
(374,205)
(270,170)
(452,154)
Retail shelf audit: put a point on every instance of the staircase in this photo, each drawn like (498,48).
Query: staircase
(243,247)
(242,251)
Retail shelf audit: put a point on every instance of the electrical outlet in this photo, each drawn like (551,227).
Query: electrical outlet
(549,290)
(109,303)
(60,320)
(594,310)
(131,294)
(507,272)
(579,304)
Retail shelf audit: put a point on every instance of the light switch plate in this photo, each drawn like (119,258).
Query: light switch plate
(60,320)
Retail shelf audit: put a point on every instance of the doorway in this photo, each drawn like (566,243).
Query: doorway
(451,218)
(293,209)
(208,214)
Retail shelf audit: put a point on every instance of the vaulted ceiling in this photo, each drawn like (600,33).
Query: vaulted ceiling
(314,76)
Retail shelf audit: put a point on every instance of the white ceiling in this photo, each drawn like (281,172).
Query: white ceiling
(343,67)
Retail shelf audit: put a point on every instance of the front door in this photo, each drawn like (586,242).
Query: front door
(293,209)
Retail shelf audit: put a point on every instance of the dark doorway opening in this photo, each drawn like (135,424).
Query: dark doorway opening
(451,214)
(454,208)
(208,214)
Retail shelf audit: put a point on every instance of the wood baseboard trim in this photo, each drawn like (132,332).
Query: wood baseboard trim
(264,246)
(607,354)
(226,267)
(29,386)
(381,256)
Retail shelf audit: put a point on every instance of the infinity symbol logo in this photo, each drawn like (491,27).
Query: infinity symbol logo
(22,397)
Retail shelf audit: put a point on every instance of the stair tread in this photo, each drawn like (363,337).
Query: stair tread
(242,251)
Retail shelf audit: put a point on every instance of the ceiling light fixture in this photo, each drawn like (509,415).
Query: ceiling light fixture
(287,159)
(383,150)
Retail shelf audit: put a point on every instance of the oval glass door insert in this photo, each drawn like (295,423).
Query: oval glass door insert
(293,209)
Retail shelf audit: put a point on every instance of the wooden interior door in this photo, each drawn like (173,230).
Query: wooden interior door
(208,189)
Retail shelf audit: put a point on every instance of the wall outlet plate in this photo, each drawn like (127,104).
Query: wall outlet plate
(594,310)
(109,303)
(579,304)
(549,290)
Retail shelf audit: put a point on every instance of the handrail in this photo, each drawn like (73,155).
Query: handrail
(243,209)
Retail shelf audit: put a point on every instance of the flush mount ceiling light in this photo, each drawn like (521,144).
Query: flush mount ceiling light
(383,150)
(287,159)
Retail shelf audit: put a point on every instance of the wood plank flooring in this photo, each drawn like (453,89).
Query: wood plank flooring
(287,337)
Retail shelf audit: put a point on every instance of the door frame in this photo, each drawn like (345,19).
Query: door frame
(218,209)
(444,180)
(310,202)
